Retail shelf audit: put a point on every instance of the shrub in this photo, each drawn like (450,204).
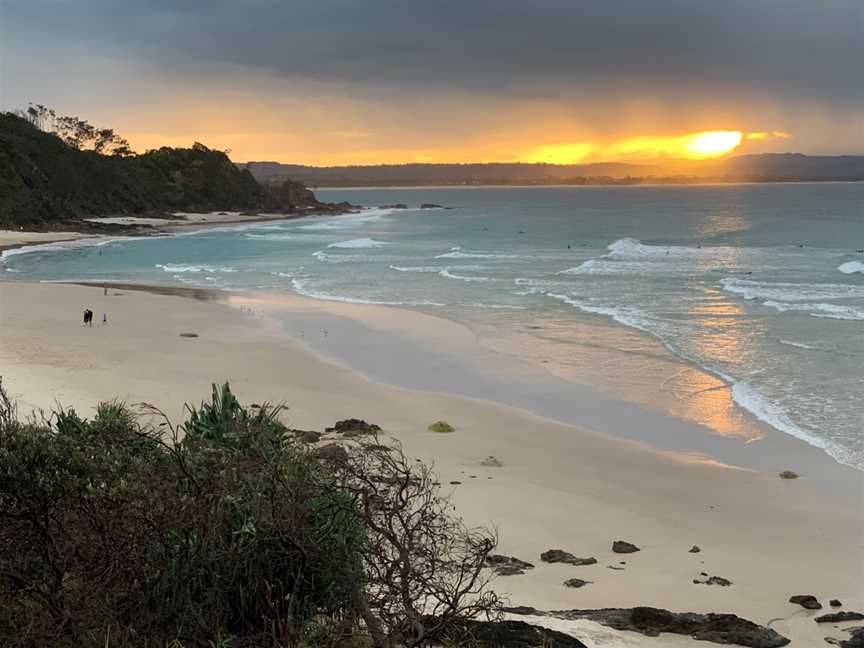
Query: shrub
(223,531)
(441,427)
(109,527)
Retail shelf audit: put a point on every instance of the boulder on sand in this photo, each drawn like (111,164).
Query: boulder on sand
(807,601)
(619,546)
(561,556)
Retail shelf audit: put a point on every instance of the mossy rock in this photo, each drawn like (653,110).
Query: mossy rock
(788,474)
(441,427)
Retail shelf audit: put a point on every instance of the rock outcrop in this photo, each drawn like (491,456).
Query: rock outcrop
(726,629)
(561,556)
(839,617)
(354,427)
(507,565)
(621,547)
(807,601)
(512,634)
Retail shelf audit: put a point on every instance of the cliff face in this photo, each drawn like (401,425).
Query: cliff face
(44,181)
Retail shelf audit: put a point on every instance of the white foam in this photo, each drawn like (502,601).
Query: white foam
(429,269)
(632,317)
(181,268)
(301,286)
(851,267)
(437,269)
(359,243)
(449,275)
(273,237)
(65,246)
(790,292)
(459,253)
(630,248)
(831,311)
(345,221)
(745,396)
(797,345)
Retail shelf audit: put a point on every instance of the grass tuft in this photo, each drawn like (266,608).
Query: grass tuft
(441,427)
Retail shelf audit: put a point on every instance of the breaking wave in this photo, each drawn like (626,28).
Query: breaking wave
(359,243)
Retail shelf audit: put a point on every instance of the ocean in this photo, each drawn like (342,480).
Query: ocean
(754,292)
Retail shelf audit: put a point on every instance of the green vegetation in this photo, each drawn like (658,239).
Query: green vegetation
(56,169)
(441,427)
(126,530)
(788,474)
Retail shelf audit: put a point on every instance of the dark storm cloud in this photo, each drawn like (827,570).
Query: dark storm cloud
(778,49)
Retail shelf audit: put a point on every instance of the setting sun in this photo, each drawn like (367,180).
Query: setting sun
(691,146)
(713,143)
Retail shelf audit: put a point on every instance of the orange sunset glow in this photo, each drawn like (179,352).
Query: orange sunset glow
(692,146)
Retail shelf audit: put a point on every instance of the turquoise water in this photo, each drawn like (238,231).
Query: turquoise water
(761,286)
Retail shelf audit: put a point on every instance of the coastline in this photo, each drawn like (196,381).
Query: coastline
(561,485)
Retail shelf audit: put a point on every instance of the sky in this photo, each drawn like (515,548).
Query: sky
(330,82)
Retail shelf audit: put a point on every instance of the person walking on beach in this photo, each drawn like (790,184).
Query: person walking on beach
(88,317)
(104,319)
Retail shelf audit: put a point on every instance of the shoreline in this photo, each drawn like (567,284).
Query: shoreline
(561,485)
(535,388)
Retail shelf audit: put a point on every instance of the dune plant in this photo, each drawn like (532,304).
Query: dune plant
(441,427)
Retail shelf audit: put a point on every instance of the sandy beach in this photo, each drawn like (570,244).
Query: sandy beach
(559,486)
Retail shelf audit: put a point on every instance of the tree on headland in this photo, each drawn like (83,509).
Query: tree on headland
(75,132)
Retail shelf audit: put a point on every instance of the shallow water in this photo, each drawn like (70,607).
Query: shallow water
(760,286)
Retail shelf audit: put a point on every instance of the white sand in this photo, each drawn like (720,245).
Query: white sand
(560,486)
(15,238)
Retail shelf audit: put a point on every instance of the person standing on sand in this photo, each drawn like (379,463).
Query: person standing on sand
(104,319)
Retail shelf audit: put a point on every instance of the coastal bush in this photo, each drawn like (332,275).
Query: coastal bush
(441,427)
(115,533)
(126,530)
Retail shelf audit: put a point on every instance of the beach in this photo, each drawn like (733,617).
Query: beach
(560,484)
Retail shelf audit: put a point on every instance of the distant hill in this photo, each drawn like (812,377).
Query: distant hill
(446,174)
(765,167)
(788,166)
(44,181)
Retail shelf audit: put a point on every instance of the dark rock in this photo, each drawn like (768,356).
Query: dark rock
(394,206)
(856,640)
(614,567)
(507,565)
(717,628)
(576,582)
(619,546)
(308,436)
(838,617)
(788,474)
(431,206)
(455,483)
(508,570)
(712,580)
(331,453)
(695,549)
(512,634)
(523,609)
(561,556)
(806,601)
(189,335)
(354,427)
(835,603)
